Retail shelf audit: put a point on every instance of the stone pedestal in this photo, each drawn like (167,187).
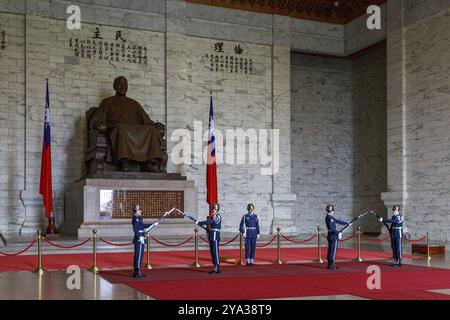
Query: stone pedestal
(34,212)
(82,205)
(282,207)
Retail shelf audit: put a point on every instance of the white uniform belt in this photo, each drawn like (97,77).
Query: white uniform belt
(215,229)
(251,228)
(397,227)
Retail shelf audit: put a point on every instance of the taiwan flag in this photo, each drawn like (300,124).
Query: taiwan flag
(211,173)
(45,187)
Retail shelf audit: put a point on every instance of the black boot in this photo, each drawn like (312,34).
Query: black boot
(215,270)
(333,266)
(330,264)
(137,274)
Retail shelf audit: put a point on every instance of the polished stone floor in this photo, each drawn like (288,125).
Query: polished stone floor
(53,285)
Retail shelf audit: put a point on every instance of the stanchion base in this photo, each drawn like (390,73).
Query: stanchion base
(241,263)
(94,269)
(279,262)
(51,228)
(359,259)
(39,271)
(196,264)
(148,266)
(318,260)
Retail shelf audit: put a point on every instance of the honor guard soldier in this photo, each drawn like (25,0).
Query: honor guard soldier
(249,227)
(396,232)
(215,224)
(139,240)
(333,236)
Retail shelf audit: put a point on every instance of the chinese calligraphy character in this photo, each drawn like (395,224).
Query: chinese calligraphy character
(3,44)
(218,47)
(238,49)
(119,36)
(97,34)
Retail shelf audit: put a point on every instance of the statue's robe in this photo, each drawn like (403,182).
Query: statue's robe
(130,129)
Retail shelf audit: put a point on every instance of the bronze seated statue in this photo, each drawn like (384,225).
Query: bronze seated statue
(121,136)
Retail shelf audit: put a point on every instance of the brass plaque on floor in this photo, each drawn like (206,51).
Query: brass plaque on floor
(117,204)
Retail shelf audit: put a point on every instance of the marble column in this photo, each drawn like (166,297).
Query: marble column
(283,200)
(396,107)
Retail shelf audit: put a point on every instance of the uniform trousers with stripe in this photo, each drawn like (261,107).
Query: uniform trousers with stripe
(214,248)
(138,255)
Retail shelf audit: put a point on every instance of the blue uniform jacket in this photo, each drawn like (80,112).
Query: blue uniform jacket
(138,227)
(331,222)
(216,224)
(396,225)
(250,225)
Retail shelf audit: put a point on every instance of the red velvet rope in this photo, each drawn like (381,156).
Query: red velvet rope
(66,247)
(20,252)
(346,239)
(173,245)
(221,244)
(374,240)
(299,242)
(265,245)
(204,239)
(116,244)
(415,240)
(230,241)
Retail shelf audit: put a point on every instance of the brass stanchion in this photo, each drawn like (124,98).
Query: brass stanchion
(358,233)
(148,265)
(196,263)
(39,269)
(319,249)
(95,268)
(94,286)
(241,258)
(428,248)
(278,261)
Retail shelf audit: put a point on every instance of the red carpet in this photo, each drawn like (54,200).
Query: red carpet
(282,281)
(168,258)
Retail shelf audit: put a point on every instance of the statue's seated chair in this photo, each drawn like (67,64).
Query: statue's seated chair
(99,155)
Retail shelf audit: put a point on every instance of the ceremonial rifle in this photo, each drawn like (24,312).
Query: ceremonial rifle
(382,221)
(352,221)
(187,216)
(154,224)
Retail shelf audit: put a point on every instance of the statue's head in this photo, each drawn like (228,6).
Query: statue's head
(120,85)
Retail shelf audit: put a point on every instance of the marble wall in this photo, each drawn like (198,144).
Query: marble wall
(322,138)
(12,121)
(240,101)
(418,99)
(369,135)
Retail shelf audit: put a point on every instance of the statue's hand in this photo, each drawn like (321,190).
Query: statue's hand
(100,125)
(160,126)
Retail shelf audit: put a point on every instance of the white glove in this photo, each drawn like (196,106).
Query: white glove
(340,235)
(141,240)
(245,235)
(380,219)
(257,236)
